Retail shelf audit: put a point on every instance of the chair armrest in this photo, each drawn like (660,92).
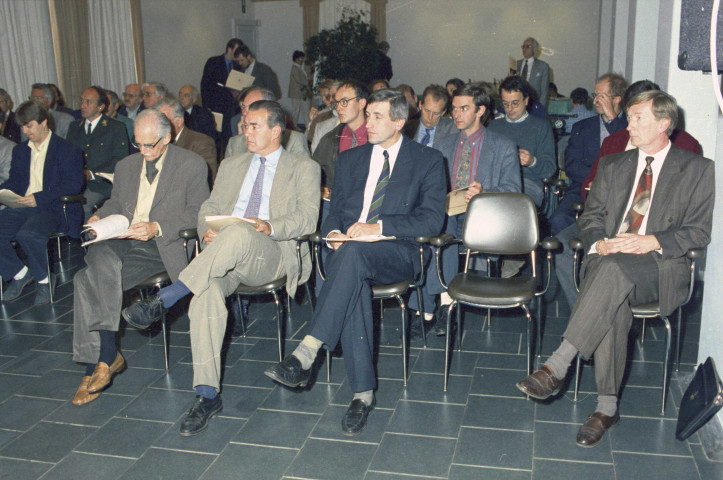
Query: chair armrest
(695,253)
(442,240)
(73,199)
(315,237)
(560,183)
(550,243)
(550,180)
(303,238)
(188,233)
(577,207)
(576,244)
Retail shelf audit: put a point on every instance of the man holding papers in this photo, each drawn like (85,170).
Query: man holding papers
(278,194)
(159,191)
(42,169)
(390,186)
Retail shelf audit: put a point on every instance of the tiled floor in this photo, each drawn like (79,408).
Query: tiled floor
(481,428)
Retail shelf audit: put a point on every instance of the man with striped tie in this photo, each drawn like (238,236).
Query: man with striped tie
(391,186)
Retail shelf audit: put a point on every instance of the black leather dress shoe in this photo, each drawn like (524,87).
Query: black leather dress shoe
(355,418)
(440,317)
(15,287)
(145,313)
(43,295)
(289,373)
(593,430)
(196,420)
(415,329)
(540,384)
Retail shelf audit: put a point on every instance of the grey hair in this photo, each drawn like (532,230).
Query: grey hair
(160,88)
(535,44)
(47,91)
(176,108)
(194,91)
(161,122)
(266,94)
(398,105)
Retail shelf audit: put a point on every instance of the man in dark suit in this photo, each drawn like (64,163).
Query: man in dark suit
(391,186)
(534,70)
(159,191)
(9,127)
(431,127)
(43,168)
(103,141)
(647,208)
(197,118)
(214,95)
(384,67)
(132,101)
(263,75)
(585,140)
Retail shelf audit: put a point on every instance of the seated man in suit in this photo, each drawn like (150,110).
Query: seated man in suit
(9,127)
(153,92)
(263,75)
(197,118)
(391,186)
(279,193)
(183,137)
(104,142)
(43,94)
(432,127)
(479,160)
(43,168)
(647,208)
(292,141)
(159,191)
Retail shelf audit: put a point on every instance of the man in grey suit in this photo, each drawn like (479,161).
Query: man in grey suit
(279,193)
(263,75)
(44,95)
(534,70)
(479,160)
(292,141)
(159,191)
(431,127)
(647,208)
(299,91)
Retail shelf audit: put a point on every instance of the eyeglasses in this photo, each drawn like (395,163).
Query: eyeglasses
(147,146)
(594,95)
(132,95)
(343,102)
(514,104)
(36,98)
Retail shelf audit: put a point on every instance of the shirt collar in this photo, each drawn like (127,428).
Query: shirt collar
(43,145)
(93,124)
(272,158)
(519,120)
(393,151)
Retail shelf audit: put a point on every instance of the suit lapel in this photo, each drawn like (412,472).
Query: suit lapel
(623,181)
(279,187)
(668,174)
(394,195)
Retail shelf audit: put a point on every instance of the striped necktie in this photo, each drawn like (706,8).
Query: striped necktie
(252,210)
(379,191)
(641,202)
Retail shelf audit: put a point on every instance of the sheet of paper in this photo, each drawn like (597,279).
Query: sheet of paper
(10,198)
(217,222)
(218,121)
(456,203)
(107,176)
(362,238)
(112,226)
(238,80)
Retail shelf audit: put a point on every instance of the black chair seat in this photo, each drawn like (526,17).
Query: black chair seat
(154,280)
(399,288)
(646,310)
(261,289)
(490,291)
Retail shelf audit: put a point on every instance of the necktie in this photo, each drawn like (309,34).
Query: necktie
(379,191)
(252,210)
(427,136)
(641,202)
(354,140)
(88,129)
(524,70)
(462,178)
(151,170)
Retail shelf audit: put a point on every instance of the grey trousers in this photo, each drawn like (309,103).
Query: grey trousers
(239,254)
(601,318)
(112,267)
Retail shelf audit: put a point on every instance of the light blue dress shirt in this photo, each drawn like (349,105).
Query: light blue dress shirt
(272,161)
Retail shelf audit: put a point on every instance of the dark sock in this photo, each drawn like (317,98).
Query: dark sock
(108,349)
(173,293)
(89,369)
(206,391)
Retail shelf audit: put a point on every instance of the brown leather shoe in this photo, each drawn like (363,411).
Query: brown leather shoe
(82,395)
(541,384)
(592,431)
(103,373)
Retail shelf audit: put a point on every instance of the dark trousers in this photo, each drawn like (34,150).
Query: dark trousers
(344,307)
(30,228)
(601,318)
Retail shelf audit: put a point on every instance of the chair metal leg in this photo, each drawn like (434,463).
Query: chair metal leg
(381,310)
(459,327)
(665,365)
(309,294)
(288,306)
(446,342)
(530,339)
(539,326)
(164,328)
(578,365)
(328,366)
(677,339)
(421,315)
(642,334)
(50,279)
(404,337)
(279,323)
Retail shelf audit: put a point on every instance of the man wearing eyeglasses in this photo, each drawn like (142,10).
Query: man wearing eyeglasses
(533,70)
(585,141)
(152,93)
(532,135)
(431,127)
(104,142)
(324,120)
(132,101)
(160,191)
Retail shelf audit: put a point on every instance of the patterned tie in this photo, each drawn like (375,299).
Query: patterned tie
(462,179)
(354,142)
(252,210)
(427,136)
(641,202)
(524,70)
(379,190)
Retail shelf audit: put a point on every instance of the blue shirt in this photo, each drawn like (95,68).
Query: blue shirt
(272,161)
(422,131)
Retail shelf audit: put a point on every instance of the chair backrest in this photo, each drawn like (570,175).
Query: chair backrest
(501,223)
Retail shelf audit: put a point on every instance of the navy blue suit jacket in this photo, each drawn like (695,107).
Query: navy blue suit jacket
(215,97)
(62,175)
(414,203)
(584,146)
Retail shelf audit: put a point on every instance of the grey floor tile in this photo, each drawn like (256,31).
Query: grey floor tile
(220,431)
(494,448)
(123,437)
(277,429)
(178,377)
(503,361)
(34,362)
(61,343)
(266,350)
(329,427)
(57,384)
(161,464)
(30,328)
(242,402)
(491,342)
(133,381)
(464,472)
(500,412)
(556,441)
(707,468)
(332,460)
(432,361)
(547,469)
(93,414)
(6,436)
(46,442)
(655,467)
(159,405)
(393,476)
(645,402)
(250,461)
(248,373)
(151,356)
(423,455)
(21,413)
(428,387)
(100,466)
(306,400)
(421,418)
(389,366)
(488,381)
(565,409)
(24,469)
(643,435)
(644,374)
(10,384)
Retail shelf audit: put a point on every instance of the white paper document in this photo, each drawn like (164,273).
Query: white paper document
(112,226)
(217,222)
(361,238)
(10,198)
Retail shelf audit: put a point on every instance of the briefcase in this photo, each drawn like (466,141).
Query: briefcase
(702,399)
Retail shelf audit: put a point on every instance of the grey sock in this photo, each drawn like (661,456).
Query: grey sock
(306,351)
(607,404)
(559,361)
(365,397)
